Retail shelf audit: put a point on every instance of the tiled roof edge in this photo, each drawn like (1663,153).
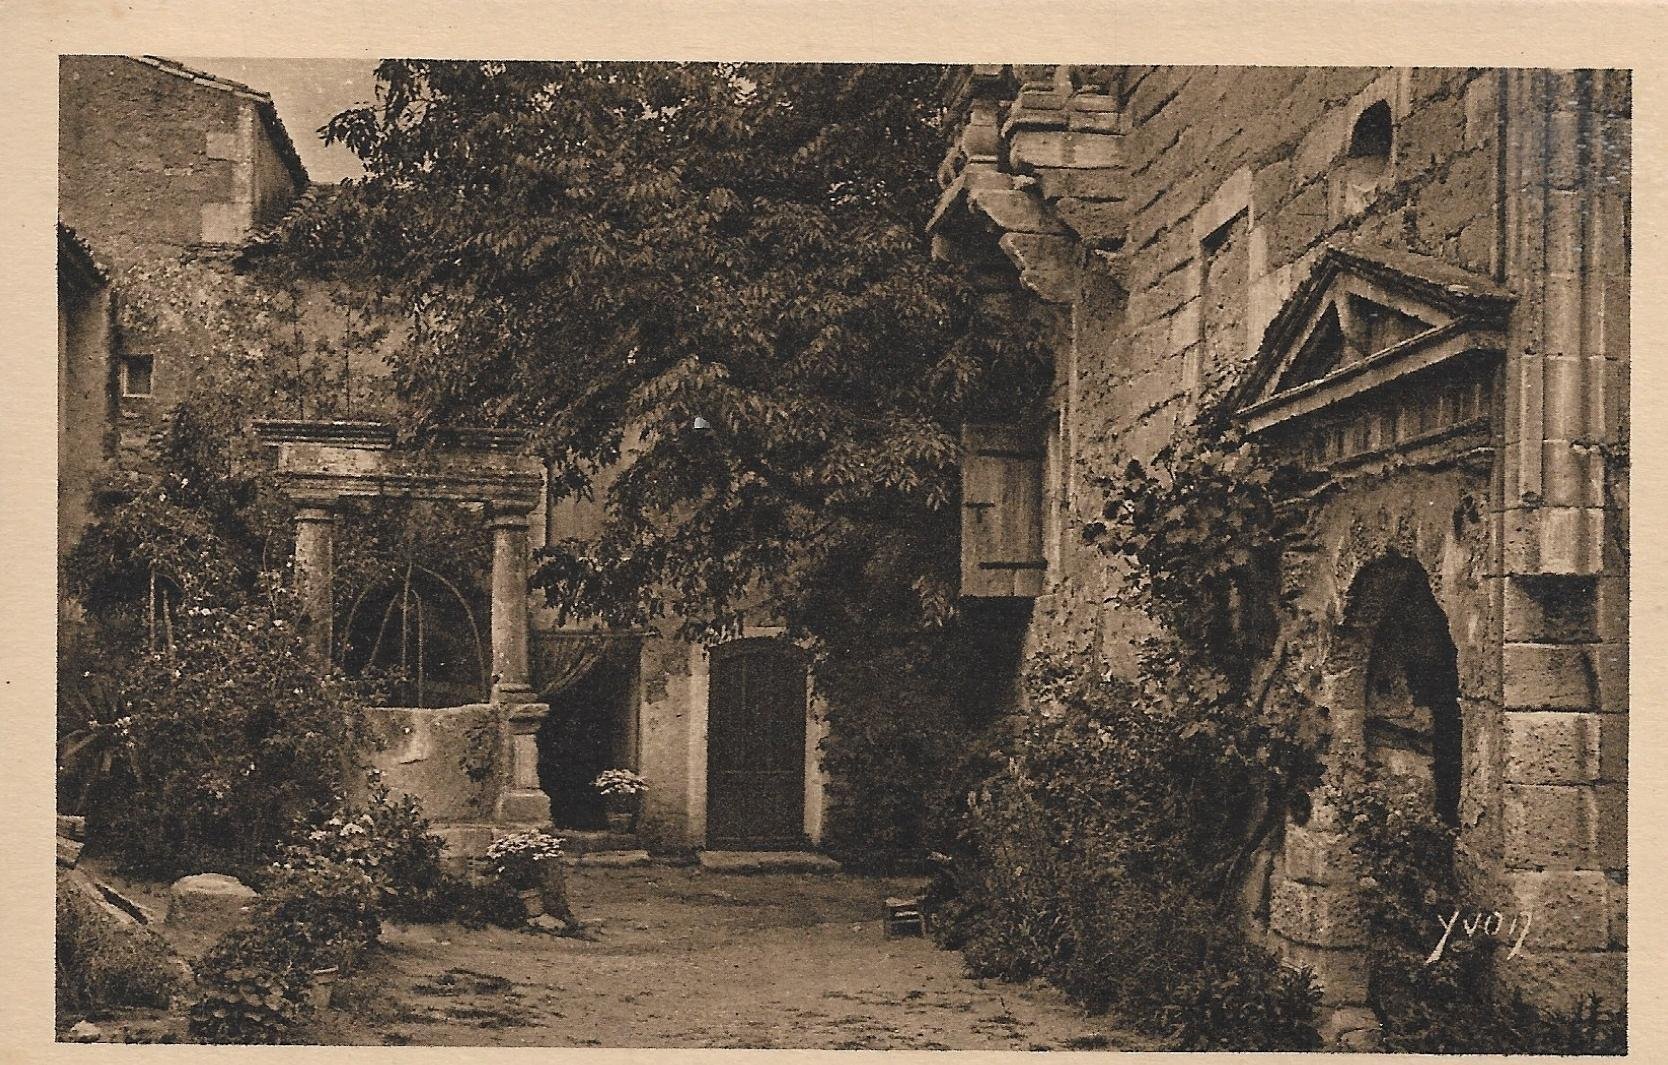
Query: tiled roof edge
(262,101)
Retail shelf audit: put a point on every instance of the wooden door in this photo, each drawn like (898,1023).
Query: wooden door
(756,746)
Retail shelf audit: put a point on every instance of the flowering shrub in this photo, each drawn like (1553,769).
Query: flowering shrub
(219,743)
(387,838)
(619,782)
(212,747)
(516,858)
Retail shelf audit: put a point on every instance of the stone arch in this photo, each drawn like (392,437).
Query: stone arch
(1394,680)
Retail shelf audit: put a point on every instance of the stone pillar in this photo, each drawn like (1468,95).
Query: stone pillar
(1564,687)
(315,527)
(509,602)
(523,800)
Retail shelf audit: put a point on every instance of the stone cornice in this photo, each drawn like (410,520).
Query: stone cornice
(1033,172)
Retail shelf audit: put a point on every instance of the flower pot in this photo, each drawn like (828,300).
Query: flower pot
(532,900)
(621,811)
(323,983)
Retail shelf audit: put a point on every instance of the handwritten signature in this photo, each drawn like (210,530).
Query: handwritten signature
(1489,924)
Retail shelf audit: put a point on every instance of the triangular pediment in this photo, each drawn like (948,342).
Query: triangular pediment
(1365,316)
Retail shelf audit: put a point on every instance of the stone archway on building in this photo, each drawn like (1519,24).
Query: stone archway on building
(1391,689)
(1393,682)
(757,702)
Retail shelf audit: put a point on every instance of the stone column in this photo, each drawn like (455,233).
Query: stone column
(315,527)
(509,602)
(523,800)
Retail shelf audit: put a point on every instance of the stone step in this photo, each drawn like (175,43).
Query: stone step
(611,859)
(767,862)
(586,841)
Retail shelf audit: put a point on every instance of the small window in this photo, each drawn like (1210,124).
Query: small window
(136,375)
(1369,144)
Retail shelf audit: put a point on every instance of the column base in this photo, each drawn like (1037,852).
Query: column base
(523,807)
(513,693)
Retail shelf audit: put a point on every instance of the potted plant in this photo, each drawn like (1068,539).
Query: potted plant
(622,797)
(518,861)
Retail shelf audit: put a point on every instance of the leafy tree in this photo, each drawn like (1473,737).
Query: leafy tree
(719,269)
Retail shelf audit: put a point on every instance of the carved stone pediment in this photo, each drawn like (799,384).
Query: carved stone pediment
(1374,350)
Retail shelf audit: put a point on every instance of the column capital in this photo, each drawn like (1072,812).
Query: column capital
(315,507)
(509,512)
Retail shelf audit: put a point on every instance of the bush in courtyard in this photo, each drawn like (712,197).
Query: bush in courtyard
(101,963)
(254,988)
(328,908)
(212,745)
(385,836)
(314,915)
(1103,853)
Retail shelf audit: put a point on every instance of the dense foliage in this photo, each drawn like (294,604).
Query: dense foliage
(204,751)
(718,269)
(383,835)
(1107,846)
(255,980)
(1103,853)
(101,964)
(1454,1004)
(707,289)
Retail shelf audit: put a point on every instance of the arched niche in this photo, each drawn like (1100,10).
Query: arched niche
(1395,689)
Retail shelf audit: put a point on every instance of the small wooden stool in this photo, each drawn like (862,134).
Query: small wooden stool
(905,917)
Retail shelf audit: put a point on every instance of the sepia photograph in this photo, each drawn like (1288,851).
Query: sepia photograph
(842,555)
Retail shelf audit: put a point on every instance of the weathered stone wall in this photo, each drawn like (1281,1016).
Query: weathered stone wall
(452,760)
(671,741)
(151,162)
(1234,178)
(86,395)
(1163,216)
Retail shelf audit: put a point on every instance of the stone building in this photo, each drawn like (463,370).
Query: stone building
(175,179)
(1414,282)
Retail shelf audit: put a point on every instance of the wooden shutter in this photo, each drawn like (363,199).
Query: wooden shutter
(1001,518)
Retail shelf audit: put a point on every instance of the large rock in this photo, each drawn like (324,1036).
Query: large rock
(209,902)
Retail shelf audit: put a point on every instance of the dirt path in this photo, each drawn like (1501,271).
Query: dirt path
(683,958)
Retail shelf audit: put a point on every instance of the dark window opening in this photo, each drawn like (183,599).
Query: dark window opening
(1369,144)
(136,375)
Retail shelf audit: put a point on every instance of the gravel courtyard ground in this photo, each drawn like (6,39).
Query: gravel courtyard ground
(685,958)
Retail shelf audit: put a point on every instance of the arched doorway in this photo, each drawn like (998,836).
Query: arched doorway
(756,746)
(590,685)
(1409,681)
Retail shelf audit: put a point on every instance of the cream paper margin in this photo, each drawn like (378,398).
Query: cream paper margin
(1572,33)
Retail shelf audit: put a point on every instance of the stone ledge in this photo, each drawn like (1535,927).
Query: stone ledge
(767,862)
(615,859)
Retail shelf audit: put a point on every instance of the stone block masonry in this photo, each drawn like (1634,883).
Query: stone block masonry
(1209,202)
